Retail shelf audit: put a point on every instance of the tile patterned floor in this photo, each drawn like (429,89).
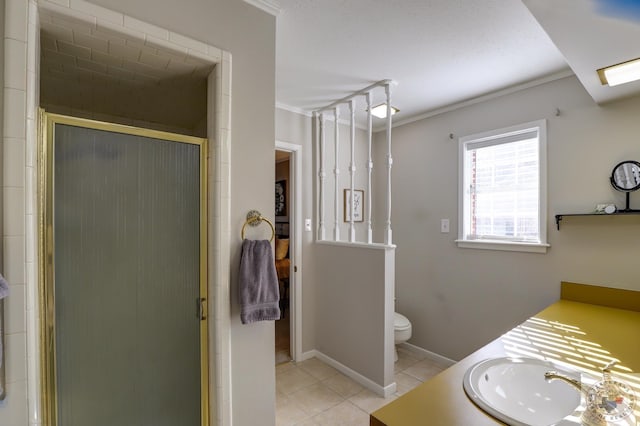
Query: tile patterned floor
(313,393)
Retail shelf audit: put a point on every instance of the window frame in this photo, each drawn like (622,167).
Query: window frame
(539,126)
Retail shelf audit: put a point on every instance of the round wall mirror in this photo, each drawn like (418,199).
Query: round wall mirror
(625,177)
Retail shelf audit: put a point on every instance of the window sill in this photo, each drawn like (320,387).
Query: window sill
(503,246)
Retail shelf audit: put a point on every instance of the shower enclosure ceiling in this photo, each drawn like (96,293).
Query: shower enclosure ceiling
(95,73)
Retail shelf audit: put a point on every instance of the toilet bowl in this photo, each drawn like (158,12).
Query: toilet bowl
(401,331)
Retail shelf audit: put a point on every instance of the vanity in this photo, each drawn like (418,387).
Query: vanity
(586,328)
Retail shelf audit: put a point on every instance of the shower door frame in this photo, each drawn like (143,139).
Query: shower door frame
(46,248)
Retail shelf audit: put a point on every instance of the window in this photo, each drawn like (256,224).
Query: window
(502,194)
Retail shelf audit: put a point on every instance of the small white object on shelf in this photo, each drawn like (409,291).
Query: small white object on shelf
(605,208)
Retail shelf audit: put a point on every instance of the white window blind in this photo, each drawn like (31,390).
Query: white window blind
(501,190)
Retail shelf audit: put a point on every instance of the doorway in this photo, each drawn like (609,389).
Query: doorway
(288,222)
(125,294)
(283,209)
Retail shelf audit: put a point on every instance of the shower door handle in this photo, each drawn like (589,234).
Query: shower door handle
(202,308)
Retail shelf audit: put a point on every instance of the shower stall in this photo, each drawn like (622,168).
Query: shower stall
(125,275)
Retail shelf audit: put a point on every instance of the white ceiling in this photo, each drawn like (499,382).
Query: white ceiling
(441,52)
(593,34)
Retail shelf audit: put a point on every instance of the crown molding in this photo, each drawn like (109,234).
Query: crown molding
(269,6)
(293,109)
(308,114)
(498,93)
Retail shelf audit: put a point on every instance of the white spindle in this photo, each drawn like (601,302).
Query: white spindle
(335,106)
(352,170)
(369,169)
(388,234)
(321,175)
(336,172)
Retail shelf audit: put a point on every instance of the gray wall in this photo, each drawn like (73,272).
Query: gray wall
(249,34)
(2,310)
(1,118)
(459,299)
(353,301)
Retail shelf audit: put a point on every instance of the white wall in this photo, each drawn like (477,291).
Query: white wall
(249,35)
(459,299)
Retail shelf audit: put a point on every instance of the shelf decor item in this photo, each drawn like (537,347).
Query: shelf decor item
(625,177)
(358,203)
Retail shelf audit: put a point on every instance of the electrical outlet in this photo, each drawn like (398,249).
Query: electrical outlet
(307,225)
(444,226)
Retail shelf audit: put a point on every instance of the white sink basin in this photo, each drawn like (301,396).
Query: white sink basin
(515,391)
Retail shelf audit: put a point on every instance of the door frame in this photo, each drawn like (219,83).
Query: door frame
(295,250)
(47,265)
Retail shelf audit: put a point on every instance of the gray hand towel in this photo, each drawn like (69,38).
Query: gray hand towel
(4,287)
(258,289)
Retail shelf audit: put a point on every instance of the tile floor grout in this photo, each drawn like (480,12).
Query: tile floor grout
(314,393)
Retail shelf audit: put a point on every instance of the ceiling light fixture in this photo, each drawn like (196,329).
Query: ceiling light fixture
(620,73)
(380,111)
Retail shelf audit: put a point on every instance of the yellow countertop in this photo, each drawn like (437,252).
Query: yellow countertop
(584,335)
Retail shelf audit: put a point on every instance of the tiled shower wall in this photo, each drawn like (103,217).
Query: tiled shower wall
(20,191)
(17,167)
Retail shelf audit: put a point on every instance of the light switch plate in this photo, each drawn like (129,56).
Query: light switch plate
(307,225)
(444,226)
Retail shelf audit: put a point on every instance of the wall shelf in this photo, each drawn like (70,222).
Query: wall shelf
(619,213)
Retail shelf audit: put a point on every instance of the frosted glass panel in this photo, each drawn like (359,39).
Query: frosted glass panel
(126,233)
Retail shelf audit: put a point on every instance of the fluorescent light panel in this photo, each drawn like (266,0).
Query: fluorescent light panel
(380,111)
(621,73)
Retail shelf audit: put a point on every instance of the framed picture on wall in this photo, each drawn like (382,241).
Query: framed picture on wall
(281,201)
(358,204)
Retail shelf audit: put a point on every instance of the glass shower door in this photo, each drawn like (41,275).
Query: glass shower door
(128,279)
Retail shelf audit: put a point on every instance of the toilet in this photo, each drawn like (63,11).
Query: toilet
(401,332)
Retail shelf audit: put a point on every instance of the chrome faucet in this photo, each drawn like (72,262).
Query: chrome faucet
(551,375)
(606,372)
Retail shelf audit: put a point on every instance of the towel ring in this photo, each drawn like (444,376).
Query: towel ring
(254,218)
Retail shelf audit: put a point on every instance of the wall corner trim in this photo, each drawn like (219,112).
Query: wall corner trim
(268,6)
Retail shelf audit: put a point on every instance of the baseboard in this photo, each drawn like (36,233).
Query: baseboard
(307,355)
(384,391)
(430,355)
